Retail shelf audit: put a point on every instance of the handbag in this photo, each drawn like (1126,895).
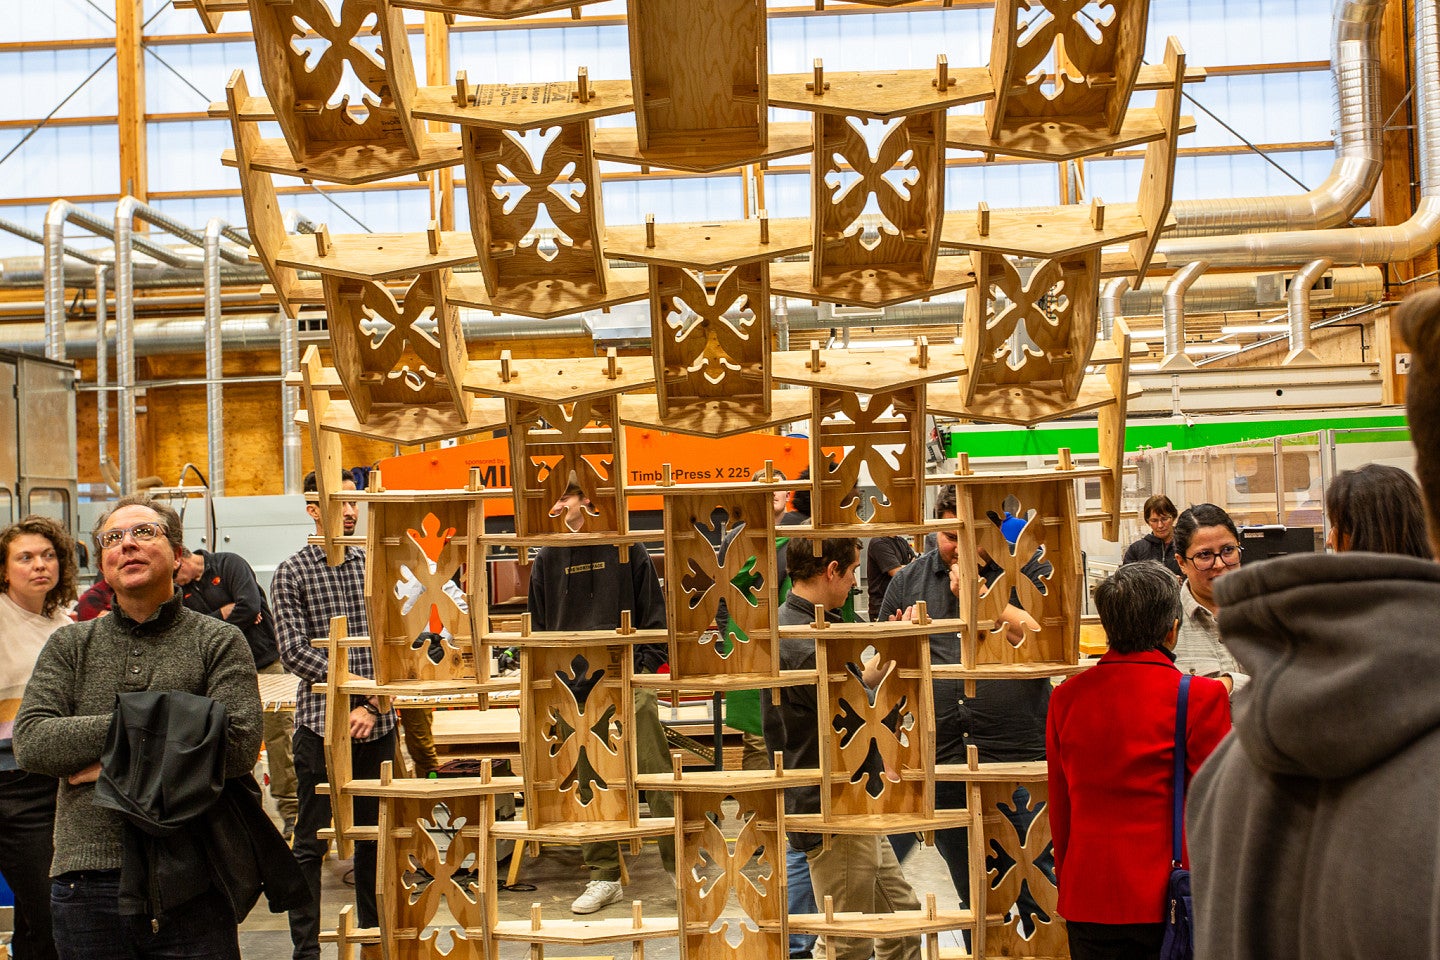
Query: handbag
(1179,942)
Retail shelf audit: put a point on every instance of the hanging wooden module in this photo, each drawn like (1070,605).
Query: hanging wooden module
(306,57)
(554,447)
(878,185)
(710,324)
(262,207)
(421,620)
(400,362)
(700,81)
(719,546)
(1015,823)
(535,210)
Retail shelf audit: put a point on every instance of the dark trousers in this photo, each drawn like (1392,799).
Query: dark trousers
(88,926)
(315,816)
(27,831)
(1114,941)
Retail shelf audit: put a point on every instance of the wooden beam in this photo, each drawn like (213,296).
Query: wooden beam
(437,74)
(130,96)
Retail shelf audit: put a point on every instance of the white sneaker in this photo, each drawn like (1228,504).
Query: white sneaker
(598,894)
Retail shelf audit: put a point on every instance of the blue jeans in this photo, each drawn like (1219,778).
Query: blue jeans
(85,908)
(800,898)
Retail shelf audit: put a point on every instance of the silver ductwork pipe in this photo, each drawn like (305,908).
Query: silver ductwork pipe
(1362,244)
(1172,309)
(102,375)
(214,367)
(1110,303)
(1355,65)
(289,403)
(1225,292)
(1299,310)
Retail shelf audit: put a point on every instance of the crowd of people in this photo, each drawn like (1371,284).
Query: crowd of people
(1312,824)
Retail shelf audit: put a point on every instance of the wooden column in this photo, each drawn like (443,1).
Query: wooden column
(437,74)
(1396,193)
(130,92)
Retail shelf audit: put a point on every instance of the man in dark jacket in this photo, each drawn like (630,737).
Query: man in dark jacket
(223,585)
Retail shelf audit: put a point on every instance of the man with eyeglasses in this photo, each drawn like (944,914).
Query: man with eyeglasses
(1207,546)
(150,642)
(306,594)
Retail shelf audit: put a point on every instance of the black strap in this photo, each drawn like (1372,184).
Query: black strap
(1178,834)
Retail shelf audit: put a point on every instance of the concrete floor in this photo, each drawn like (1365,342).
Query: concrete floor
(558,876)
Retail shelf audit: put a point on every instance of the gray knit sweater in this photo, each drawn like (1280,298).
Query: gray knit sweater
(68,704)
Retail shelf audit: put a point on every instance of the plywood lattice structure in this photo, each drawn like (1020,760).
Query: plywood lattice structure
(538,244)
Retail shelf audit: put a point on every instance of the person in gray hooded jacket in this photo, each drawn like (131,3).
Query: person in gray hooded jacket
(1314,830)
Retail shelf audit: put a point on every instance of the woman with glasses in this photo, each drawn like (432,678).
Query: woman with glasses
(1159,544)
(1207,546)
(1376,509)
(37,582)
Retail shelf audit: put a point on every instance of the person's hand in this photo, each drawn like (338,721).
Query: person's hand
(1018,624)
(1229,682)
(874,671)
(955,578)
(225,610)
(89,775)
(362,721)
(903,616)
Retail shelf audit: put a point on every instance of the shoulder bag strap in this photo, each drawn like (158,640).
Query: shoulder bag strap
(1181,710)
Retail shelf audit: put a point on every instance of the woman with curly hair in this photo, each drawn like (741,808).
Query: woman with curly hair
(37,582)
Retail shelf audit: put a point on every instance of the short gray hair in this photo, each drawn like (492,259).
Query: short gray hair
(1138,604)
(169,519)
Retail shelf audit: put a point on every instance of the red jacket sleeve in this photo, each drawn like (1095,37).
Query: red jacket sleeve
(1058,805)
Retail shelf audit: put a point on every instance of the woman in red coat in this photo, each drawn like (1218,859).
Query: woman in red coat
(1111,748)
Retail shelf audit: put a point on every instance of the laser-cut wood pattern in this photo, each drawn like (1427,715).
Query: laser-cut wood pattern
(578,716)
(721,547)
(555,445)
(746,872)
(884,433)
(417,560)
(431,869)
(1017,857)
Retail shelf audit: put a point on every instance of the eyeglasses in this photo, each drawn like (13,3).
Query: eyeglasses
(139,532)
(1205,559)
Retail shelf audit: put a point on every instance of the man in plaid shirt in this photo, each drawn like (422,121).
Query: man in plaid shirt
(306,593)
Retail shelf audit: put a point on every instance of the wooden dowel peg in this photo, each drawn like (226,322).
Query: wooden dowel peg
(982,219)
(627,624)
(962,465)
(477,480)
(816,364)
(764,226)
(1065,462)
(829,916)
(525,624)
(377,482)
(779,759)
(649,231)
(922,353)
(676,762)
(1097,213)
(818,85)
(666,480)
(582,85)
(505,372)
(462,89)
(820,622)
(637,914)
(486,770)
(930,911)
(972,757)
(922,612)
(942,81)
(387,772)
(612,364)
(769,475)
(534,917)
(432,237)
(322,241)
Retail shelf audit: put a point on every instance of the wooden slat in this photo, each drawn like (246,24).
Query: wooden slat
(130,97)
